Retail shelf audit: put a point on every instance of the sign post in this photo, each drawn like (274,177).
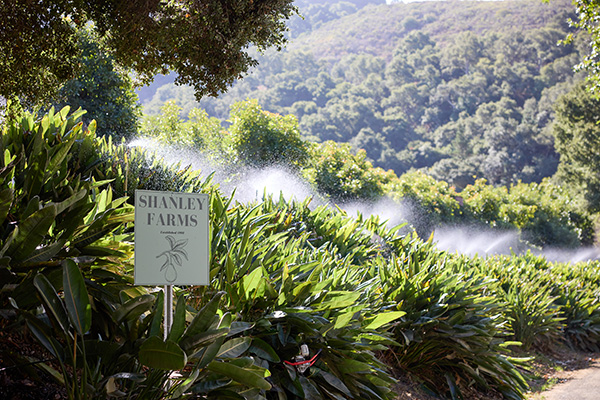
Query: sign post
(168,310)
(171,242)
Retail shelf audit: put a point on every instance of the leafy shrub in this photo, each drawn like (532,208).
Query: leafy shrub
(434,202)
(199,131)
(454,329)
(100,88)
(260,138)
(52,208)
(336,172)
(543,212)
(296,290)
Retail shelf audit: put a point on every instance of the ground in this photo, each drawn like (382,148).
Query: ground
(562,366)
(26,381)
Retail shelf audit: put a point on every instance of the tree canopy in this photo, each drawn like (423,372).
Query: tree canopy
(578,142)
(205,42)
(588,14)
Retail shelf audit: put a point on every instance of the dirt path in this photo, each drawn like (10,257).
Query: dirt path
(582,384)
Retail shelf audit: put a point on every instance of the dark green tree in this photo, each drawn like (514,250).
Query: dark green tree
(105,92)
(588,13)
(578,143)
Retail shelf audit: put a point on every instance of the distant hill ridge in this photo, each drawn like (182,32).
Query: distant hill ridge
(377,29)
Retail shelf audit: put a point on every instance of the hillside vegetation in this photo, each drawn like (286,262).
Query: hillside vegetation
(462,90)
(543,214)
(378,28)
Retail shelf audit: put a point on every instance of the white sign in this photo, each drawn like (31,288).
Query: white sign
(171,238)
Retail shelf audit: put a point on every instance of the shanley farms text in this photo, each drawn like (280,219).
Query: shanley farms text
(170,210)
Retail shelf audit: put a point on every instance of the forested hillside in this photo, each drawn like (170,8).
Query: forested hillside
(459,89)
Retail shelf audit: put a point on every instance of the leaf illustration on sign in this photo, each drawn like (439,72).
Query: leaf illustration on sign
(174,257)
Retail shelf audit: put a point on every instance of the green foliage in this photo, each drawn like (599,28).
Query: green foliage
(53,208)
(462,91)
(204,42)
(104,92)
(260,138)
(296,290)
(545,214)
(255,138)
(576,131)
(199,131)
(33,66)
(283,275)
(147,359)
(490,204)
(436,202)
(452,327)
(525,284)
(587,14)
(76,306)
(132,168)
(344,176)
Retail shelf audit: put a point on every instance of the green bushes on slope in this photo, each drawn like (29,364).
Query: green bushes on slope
(543,213)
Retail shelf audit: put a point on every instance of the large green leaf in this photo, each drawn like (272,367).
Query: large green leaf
(178,326)
(76,297)
(184,386)
(77,196)
(234,348)
(52,302)
(31,233)
(309,389)
(72,220)
(254,284)
(384,318)
(91,235)
(335,300)
(205,317)
(44,253)
(349,366)
(155,353)
(44,335)
(133,308)
(191,344)
(207,354)
(157,315)
(58,154)
(264,350)
(6,199)
(336,383)
(34,175)
(32,206)
(207,385)
(240,375)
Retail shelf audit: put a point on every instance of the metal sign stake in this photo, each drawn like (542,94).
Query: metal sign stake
(168,309)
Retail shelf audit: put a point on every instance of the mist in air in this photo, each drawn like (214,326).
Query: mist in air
(252,184)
